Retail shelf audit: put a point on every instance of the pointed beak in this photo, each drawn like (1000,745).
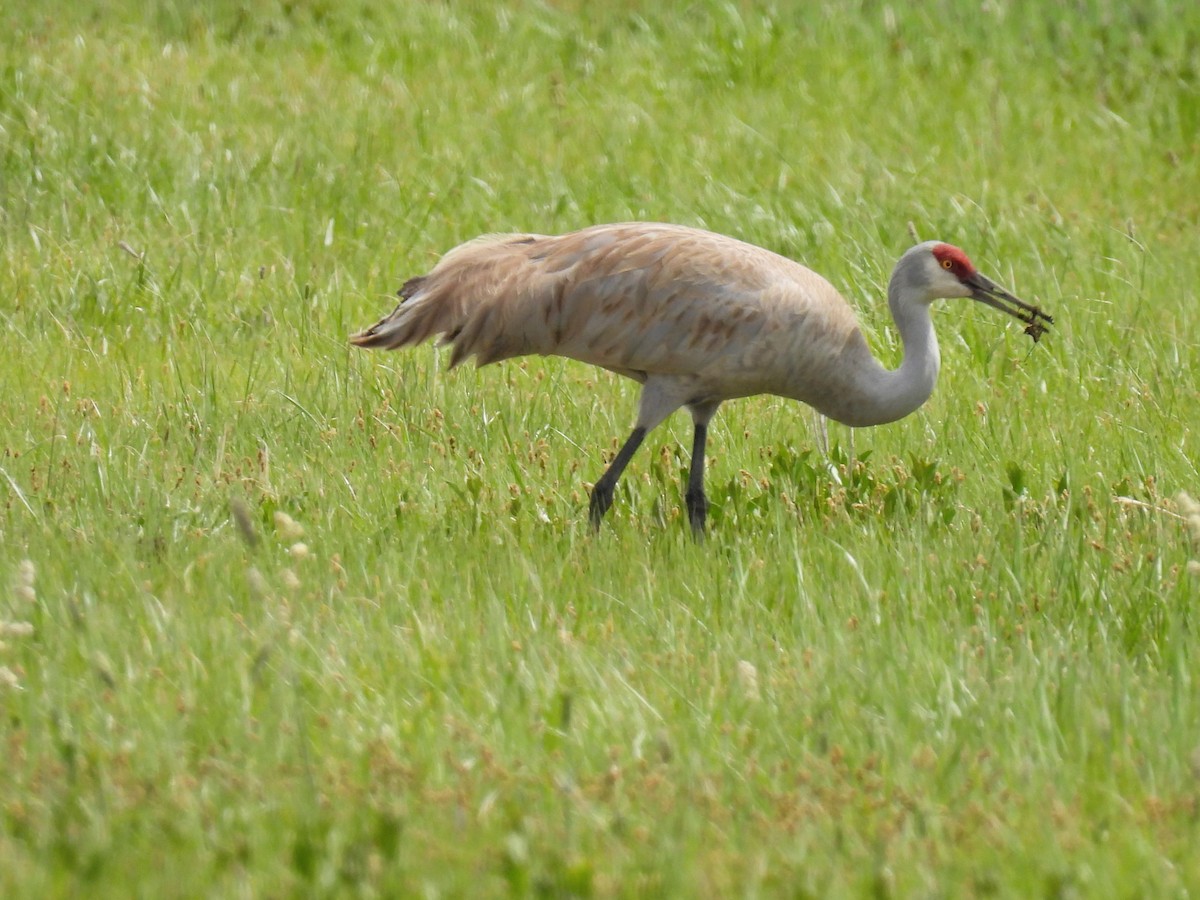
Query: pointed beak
(987,291)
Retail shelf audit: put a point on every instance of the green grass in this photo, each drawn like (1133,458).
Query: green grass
(952,656)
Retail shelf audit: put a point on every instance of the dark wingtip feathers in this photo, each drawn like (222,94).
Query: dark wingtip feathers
(378,335)
(410,287)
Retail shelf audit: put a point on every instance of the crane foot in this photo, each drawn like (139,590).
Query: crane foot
(601,500)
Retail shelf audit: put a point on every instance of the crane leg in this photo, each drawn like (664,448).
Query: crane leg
(602,490)
(694,497)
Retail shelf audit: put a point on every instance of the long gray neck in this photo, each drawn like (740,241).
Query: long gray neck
(893,394)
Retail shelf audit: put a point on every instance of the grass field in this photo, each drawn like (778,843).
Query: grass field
(284,618)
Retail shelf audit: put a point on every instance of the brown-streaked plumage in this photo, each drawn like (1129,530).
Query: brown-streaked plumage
(698,318)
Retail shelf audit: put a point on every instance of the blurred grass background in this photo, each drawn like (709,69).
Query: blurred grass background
(949,656)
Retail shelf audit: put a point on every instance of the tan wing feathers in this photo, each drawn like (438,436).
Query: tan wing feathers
(636,298)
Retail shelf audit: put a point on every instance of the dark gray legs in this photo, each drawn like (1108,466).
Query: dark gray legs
(602,490)
(694,498)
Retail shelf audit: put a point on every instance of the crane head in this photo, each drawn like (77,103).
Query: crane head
(952,275)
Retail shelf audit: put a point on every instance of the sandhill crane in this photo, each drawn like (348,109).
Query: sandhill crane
(698,318)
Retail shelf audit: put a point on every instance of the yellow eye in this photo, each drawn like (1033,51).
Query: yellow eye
(946,264)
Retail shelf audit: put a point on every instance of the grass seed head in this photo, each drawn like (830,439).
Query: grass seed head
(287,527)
(747,676)
(244,521)
(26,574)
(258,584)
(9,679)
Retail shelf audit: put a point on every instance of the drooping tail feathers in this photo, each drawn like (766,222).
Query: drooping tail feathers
(466,299)
(407,324)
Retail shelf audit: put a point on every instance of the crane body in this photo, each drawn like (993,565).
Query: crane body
(696,317)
